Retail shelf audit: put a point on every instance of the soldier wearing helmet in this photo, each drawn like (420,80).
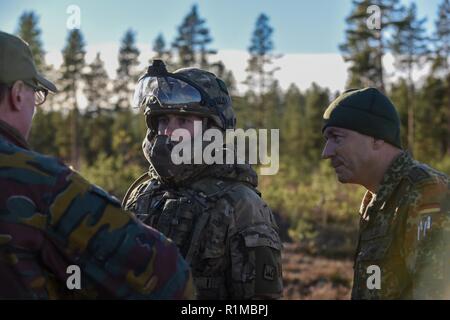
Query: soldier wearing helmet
(214,213)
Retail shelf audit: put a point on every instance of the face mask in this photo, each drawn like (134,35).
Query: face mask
(158,154)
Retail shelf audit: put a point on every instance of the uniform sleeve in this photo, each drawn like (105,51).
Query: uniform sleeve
(117,255)
(255,254)
(427,242)
(256,264)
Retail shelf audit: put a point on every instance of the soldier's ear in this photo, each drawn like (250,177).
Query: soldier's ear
(17,96)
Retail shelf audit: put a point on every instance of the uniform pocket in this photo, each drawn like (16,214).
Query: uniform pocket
(216,230)
(376,239)
(215,241)
(177,222)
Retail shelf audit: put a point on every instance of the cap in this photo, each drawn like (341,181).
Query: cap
(16,62)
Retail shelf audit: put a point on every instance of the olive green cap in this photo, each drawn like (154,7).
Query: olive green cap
(16,63)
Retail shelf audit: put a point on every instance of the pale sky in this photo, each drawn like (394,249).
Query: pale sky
(307,33)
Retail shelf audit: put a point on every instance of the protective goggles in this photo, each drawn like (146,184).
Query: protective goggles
(166,91)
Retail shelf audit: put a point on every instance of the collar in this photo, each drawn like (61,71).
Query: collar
(391,179)
(12,135)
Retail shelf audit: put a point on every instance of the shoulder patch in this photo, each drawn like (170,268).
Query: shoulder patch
(269,272)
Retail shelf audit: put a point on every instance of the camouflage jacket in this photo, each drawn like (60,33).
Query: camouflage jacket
(222,227)
(51,218)
(404,243)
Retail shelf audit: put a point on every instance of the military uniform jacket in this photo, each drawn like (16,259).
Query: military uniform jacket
(52,221)
(404,243)
(222,227)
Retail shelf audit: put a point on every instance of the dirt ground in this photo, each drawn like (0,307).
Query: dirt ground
(314,277)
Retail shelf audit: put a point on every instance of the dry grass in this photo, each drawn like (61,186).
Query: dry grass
(315,277)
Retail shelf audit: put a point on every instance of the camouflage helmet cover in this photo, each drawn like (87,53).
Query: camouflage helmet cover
(215,104)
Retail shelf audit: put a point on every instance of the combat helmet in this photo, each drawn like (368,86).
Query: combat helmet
(187,91)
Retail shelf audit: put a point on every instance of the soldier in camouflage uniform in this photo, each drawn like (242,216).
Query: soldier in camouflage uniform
(51,218)
(214,213)
(404,241)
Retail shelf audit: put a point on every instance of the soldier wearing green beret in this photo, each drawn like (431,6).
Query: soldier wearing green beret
(403,249)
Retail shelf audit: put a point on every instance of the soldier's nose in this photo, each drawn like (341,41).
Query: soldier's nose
(328,150)
(168,132)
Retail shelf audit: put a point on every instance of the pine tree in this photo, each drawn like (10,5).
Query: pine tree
(191,44)
(72,73)
(127,73)
(292,125)
(431,126)
(441,65)
(272,100)
(96,116)
(247,114)
(42,134)
(316,100)
(161,51)
(260,73)
(30,32)
(398,91)
(219,69)
(97,135)
(364,48)
(442,38)
(410,49)
(259,70)
(96,86)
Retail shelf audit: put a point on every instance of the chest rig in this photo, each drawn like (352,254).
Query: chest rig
(181,214)
(198,219)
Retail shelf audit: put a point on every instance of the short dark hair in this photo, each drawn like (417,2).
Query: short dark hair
(3,91)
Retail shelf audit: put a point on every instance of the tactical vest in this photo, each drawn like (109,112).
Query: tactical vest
(380,246)
(186,216)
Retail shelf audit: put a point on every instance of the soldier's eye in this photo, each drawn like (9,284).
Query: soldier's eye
(182,121)
(336,138)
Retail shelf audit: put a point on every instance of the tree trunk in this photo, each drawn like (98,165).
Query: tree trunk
(75,155)
(380,61)
(410,104)
(448,114)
